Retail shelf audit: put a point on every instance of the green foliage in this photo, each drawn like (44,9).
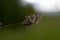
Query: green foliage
(13,12)
(48,29)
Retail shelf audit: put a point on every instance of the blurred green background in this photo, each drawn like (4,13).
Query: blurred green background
(12,12)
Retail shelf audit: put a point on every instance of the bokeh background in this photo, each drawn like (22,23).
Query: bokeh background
(12,12)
